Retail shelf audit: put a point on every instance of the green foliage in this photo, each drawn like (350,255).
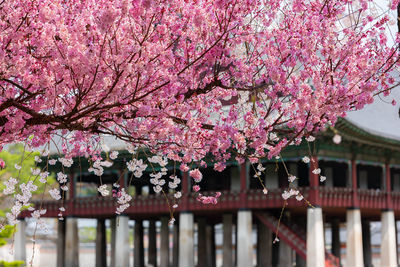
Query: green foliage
(11,264)
(15,155)
(6,234)
(87,234)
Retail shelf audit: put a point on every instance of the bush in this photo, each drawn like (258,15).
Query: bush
(11,264)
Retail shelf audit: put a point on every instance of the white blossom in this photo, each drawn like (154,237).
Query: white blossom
(159,160)
(45,153)
(61,177)
(98,171)
(43,177)
(175,179)
(14,212)
(52,162)
(35,171)
(137,167)
(26,190)
(121,208)
(316,171)
(322,178)
(123,201)
(260,167)
(157,188)
(17,166)
(131,149)
(293,192)
(64,188)
(10,186)
(172,185)
(38,159)
(55,193)
(103,190)
(106,163)
(299,197)
(113,155)
(291,178)
(310,138)
(178,195)
(286,195)
(66,162)
(257,174)
(306,159)
(337,139)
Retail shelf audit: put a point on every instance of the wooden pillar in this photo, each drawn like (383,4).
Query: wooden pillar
(101,244)
(354,244)
(122,242)
(113,226)
(300,262)
(388,242)
(175,249)
(315,238)
(138,249)
(20,241)
(397,240)
(227,241)
(264,245)
(245,238)
(366,238)
(201,243)
(285,255)
(164,246)
(236,244)
(71,243)
(152,258)
(336,245)
(314,182)
(186,244)
(210,245)
(60,243)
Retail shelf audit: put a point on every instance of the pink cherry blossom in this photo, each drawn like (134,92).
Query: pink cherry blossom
(196,175)
(185,80)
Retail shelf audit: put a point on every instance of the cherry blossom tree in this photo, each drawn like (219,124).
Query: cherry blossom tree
(187,78)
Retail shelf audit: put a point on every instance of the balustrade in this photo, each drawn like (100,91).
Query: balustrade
(332,197)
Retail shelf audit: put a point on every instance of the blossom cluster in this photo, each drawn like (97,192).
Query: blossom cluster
(137,167)
(292,192)
(209,199)
(196,79)
(97,167)
(123,201)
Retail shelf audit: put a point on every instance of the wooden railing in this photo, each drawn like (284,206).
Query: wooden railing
(335,196)
(143,205)
(372,198)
